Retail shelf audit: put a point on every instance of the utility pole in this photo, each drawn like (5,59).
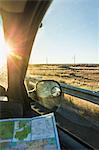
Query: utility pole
(74,58)
(46,60)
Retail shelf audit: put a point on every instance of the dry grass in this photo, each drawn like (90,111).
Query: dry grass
(84,76)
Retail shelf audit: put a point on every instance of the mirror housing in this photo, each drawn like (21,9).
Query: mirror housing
(48,93)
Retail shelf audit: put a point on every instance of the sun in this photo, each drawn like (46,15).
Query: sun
(5,49)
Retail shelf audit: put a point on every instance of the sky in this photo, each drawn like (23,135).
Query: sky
(70,33)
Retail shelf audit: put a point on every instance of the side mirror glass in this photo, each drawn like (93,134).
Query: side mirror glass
(48,93)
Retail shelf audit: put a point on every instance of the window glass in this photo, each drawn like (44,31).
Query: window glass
(66,49)
(69,36)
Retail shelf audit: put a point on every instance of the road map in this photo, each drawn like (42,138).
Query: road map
(37,133)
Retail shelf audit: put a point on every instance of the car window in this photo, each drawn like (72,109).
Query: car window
(66,49)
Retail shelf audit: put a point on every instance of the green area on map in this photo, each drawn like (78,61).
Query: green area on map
(6,130)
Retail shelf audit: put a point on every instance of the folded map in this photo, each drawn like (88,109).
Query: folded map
(37,133)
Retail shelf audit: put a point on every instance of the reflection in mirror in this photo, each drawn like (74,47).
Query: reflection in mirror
(48,88)
(48,93)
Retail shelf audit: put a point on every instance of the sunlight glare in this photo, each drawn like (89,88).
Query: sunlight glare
(4,48)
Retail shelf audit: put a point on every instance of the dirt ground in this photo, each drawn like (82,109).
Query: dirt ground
(81,75)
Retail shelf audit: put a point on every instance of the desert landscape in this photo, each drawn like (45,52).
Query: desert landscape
(81,75)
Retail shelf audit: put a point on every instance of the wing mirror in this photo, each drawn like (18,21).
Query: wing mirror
(48,93)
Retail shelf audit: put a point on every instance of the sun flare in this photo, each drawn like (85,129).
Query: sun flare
(4,48)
